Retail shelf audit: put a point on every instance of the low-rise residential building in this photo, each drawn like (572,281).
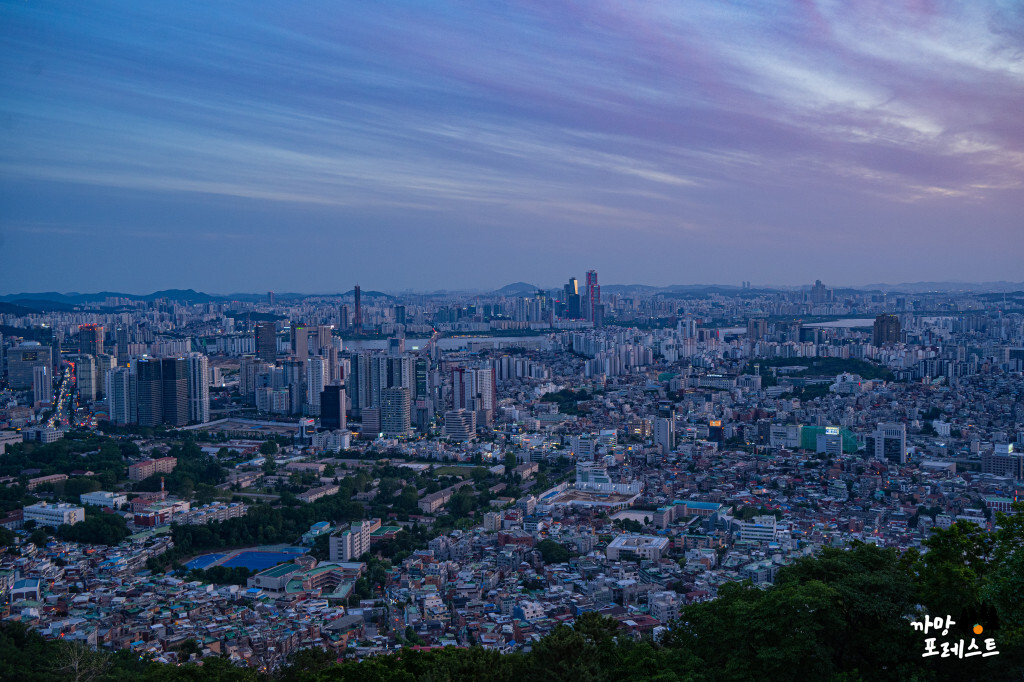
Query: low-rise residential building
(46,514)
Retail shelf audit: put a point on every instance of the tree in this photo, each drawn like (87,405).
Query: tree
(38,537)
(306,664)
(553,552)
(76,661)
(189,647)
(268,447)
(950,576)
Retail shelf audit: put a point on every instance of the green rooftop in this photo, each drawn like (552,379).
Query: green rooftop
(279,571)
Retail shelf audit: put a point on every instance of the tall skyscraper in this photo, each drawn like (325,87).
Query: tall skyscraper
(42,385)
(358,383)
(174,382)
(85,378)
(300,340)
(343,318)
(90,339)
(820,293)
(295,380)
(121,398)
(198,388)
(665,434)
(121,338)
(421,368)
(316,379)
(593,296)
(572,299)
(460,394)
(266,341)
(149,392)
(400,373)
(886,330)
(104,363)
(332,407)
(358,324)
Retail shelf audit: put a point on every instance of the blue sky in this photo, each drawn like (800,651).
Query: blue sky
(305,146)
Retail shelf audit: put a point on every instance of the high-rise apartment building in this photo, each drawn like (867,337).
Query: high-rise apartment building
(122,402)
(395,412)
(42,385)
(320,339)
(316,379)
(198,388)
(358,383)
(665,434)
(886,330)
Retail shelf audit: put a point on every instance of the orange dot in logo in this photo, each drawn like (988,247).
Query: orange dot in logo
(978,629)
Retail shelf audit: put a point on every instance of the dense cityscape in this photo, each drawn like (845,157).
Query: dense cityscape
(583,341)
(191,476)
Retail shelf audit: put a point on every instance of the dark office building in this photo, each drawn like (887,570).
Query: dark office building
(149,392)
(358,323)
(266,341)
(571,293)
(90,339)
(121,339)
(421,370)
(162,391)
(300,340)
(174,383)
(887,330)
(332,407)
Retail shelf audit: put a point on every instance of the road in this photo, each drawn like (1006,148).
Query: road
(62,411)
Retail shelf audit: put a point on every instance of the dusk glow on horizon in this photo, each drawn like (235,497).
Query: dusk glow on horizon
(303,147)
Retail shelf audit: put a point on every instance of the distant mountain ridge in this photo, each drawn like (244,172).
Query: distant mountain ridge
(53,300)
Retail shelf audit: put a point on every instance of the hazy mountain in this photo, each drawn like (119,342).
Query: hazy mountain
(517,289)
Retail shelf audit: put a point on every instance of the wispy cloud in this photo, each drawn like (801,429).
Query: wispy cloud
(667,121)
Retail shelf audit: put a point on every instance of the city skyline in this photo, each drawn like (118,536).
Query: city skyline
(254,148)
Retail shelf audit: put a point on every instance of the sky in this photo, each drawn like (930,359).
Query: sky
(305,146)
